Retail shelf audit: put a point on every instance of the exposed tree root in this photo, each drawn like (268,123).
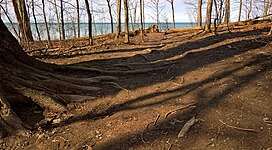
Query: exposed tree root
(9,122)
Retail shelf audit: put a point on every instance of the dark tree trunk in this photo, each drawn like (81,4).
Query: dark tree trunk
(110,13)
(173,12)
(62,19)
(35,20)
(199,13)
(89,22)
(46,25)
(23,20)
(27,79)
(78,19)
(126,22)
(57,15)
(118,26)
(208,16)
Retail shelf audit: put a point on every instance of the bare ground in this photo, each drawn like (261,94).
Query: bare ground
(224,81)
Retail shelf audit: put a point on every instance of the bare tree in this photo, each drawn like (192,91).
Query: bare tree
(240,10)
(35,20)
(173,11)
(23,20)
(89,22)
(110,13)
(46,25)
(199,13)
(156,6)
(208,16)
(78,18)
(227,12)
(23,79)
(249,9)
(126,21)
(141,17)
(10,21)
(62,19)
(118,26)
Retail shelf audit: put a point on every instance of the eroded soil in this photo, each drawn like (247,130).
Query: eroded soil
(224,81)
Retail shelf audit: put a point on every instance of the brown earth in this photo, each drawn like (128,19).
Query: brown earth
(224,81)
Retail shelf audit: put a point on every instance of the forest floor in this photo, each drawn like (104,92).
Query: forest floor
(222,83)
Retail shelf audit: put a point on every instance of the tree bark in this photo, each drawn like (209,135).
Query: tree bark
(249,9)
(35,20)
(173,12)
(31,80)
(57,15)
(78,19)
(227,12)
(89,22)
(126,22)
(141,17)
(240,10)
(199,13)
(62,19)
(23,20)
(110,13)
(208,16)
(118,26)
(46,25)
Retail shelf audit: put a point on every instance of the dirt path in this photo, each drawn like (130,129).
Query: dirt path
(223,81)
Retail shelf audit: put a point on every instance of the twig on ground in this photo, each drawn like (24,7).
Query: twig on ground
(144,57)
(156,120)
(118,86)
(238,128)
(267,120)
(142,134)
(168,70)
(187,127)
(174,82)
(183,107)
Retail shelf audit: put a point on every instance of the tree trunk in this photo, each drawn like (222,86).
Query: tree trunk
(249,9)
(227,12)
(110,13)
(208,16)
(240,10)
(35,20)
(28,79)
(23,20)
(78,19)
(173,12)
(126,22)
(62,19)
(199,13)
(57,15)
(13,27)
(46,25)
(89,22)
(141,17)
(118,26)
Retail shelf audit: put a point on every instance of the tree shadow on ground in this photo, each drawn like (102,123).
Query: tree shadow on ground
(202,104)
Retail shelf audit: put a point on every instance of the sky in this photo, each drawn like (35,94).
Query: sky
(181,11)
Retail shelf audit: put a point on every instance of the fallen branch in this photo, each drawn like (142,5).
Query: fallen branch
(238,128)
(187,127)
(156,120)
(183,107)
(168,70)
(118,86)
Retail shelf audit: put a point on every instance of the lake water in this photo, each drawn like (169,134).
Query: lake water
(98,29)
